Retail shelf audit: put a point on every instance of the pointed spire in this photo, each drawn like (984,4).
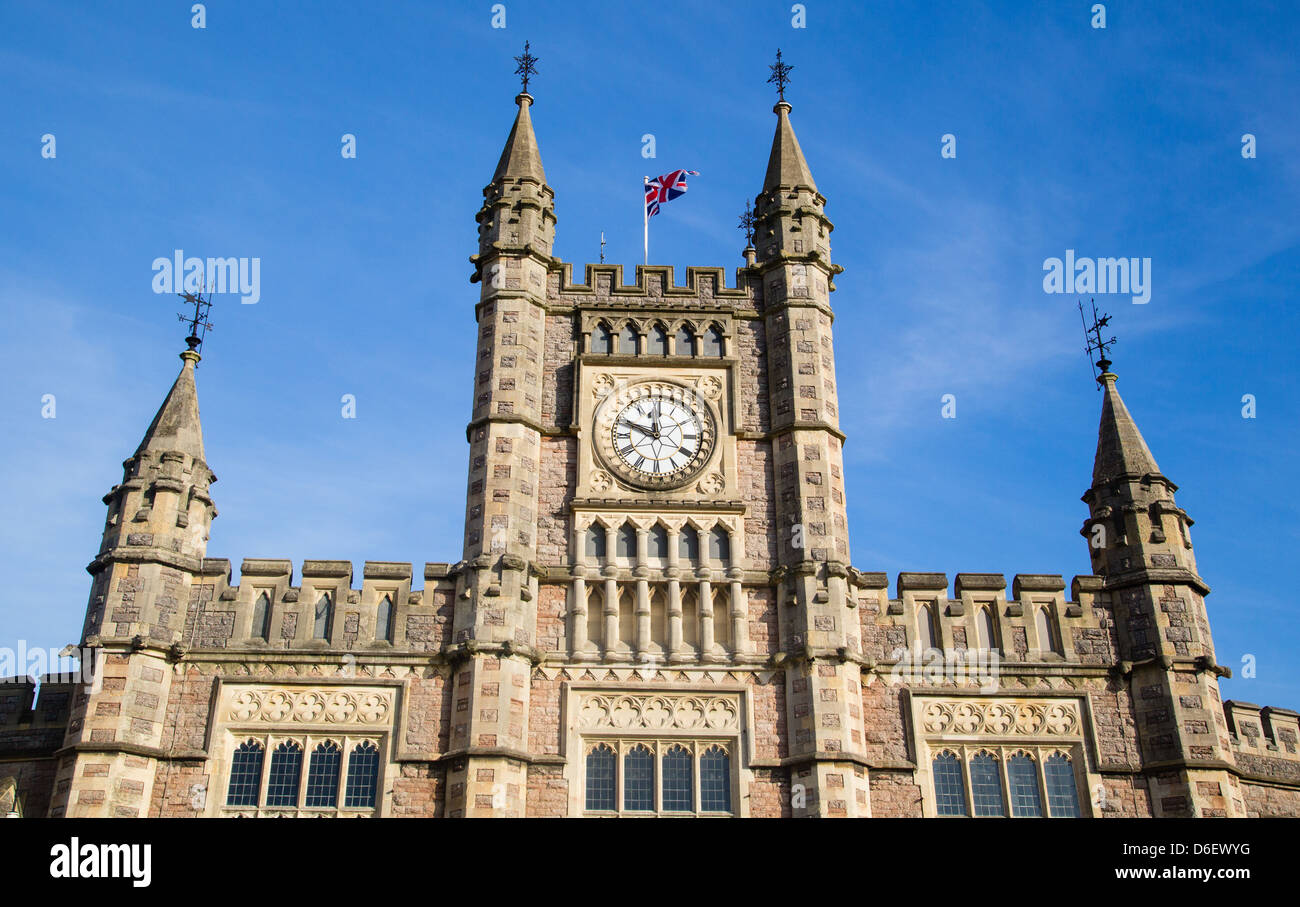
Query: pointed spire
(521,157)
(1121,450)
(786,166)
(177,426)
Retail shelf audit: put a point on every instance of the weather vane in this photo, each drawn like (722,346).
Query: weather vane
(747,224)
(526,66)
(780,74)
(198,322)
(1095,342)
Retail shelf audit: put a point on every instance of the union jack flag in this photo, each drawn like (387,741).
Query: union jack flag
(665,188)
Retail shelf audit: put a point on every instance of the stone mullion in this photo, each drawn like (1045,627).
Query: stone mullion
(578,615)
(674,618)
(611,615)
(705,612)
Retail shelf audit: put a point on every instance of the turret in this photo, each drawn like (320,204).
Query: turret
(1140,544)
(154,542)
(496,606)
(823,678)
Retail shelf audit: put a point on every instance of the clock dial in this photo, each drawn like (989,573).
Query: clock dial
(658,436)
(655,434)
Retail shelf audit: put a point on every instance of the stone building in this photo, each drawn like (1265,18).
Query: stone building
(655,610)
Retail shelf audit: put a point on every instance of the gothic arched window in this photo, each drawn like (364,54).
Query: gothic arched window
(626,542)
(711,343)
(324,616)
(384,619)
(684,345)
(627,340)
(1043,624)
(262,617)
(678,789)
(657,340)
(925,627)
(688,544)
(985,629)
(639,778)
(1022,778)
(595,541)
(1062,792)
(719,544)
(986,785)
(600,778)
(949,785)
(715,780)
(286,771)
(602,341)
(245,774)
(363,775)
(323,775)
(657,542)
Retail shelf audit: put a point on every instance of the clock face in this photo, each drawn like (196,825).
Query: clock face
(655,434)
(658,436)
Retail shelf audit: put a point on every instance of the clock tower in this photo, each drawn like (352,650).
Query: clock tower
(655,507)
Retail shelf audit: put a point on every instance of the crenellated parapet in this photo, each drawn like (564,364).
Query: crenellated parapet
(605,284)
(324,610)
(1264,737)
(1038,622)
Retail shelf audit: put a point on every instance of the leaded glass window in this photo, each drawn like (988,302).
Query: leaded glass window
(715,780)
(245,774)
(1022,778)
(986,785)
(363,775)
(1062,791)
(323,775)
(949,785)
(286,771)
(678,787)
(600,778)
(639,778)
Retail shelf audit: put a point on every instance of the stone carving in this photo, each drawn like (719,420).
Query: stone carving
(1001,718)
(659,711)
(311,706)
(601,480)
(601,386)
(712,484)
(712,387)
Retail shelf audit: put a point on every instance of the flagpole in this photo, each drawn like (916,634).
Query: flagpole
(645,220)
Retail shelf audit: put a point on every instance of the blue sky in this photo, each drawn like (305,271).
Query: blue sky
(225,141)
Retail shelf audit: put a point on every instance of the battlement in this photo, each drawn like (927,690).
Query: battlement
(606,280)
(1263,731)
(323,610)
(1037,622)
(34,712)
